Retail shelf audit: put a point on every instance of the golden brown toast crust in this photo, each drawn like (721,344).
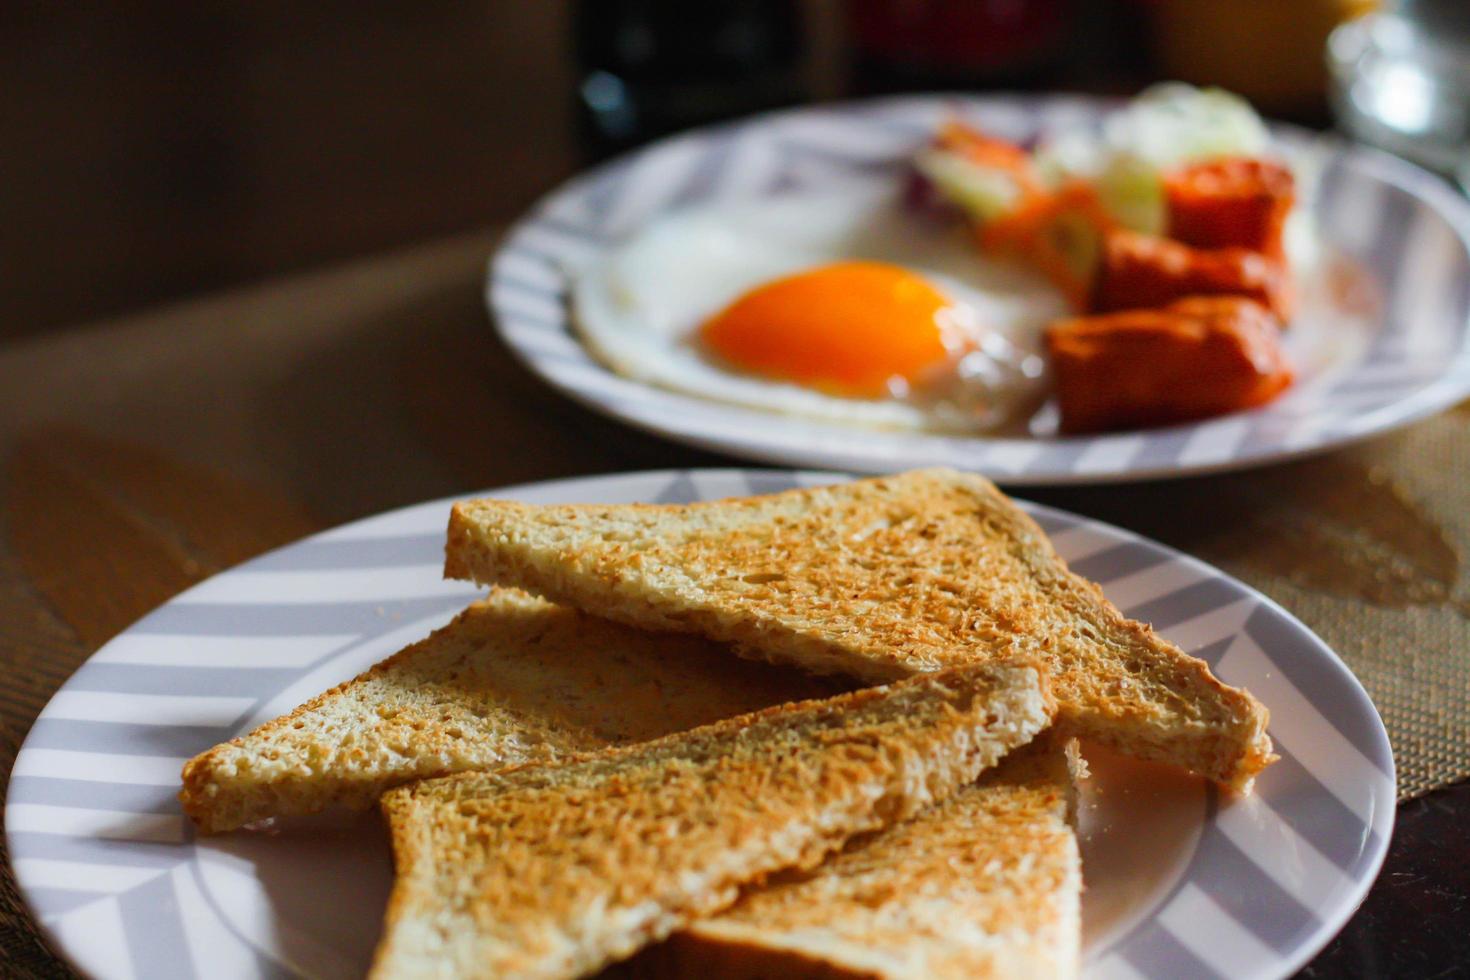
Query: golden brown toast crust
(986,884)
(876,579)
(556,870)
(512,679)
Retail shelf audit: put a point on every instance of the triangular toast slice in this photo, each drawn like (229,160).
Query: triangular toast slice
(986,884)
(557,870)
(513,679)
(876,579)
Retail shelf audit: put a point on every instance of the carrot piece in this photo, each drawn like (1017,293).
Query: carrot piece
(1232,202)
(1059,233)
(991,152)
(1141,271)
(1198,357)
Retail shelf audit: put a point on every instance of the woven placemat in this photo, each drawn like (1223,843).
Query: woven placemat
(37,653)
(1368,547)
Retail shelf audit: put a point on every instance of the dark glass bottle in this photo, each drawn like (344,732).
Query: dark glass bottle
(650,67)
(918,45)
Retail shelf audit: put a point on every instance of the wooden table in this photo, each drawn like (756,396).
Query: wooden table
(144,454)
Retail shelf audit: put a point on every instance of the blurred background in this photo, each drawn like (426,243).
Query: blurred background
(157,149)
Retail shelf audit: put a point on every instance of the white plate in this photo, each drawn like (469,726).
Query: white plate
(1180,882)
(1407,359)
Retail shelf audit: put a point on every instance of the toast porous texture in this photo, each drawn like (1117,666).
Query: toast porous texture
(986,884)
(513,679)
(876,579)
(558,870)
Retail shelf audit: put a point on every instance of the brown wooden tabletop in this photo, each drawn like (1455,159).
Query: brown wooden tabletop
(144,454)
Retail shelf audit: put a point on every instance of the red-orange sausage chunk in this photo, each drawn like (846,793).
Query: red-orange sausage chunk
(1196,358)
(1139,271)
(1232,202)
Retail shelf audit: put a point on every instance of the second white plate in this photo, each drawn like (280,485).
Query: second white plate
(1406,230)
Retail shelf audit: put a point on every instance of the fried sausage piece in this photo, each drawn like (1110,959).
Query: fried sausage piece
(1142,271)
(1230,202)
(1198,357)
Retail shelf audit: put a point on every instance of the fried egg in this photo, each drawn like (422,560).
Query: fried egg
(839,307)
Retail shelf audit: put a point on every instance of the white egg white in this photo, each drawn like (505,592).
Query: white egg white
(639,305)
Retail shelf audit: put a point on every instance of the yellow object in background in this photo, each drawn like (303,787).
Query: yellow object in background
(1270,51)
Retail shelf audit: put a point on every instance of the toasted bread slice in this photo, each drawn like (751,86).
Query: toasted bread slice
(877,579)
(986,884)
(513,679)
(557,870)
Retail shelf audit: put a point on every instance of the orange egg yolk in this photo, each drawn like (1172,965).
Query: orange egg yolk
(849,328)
